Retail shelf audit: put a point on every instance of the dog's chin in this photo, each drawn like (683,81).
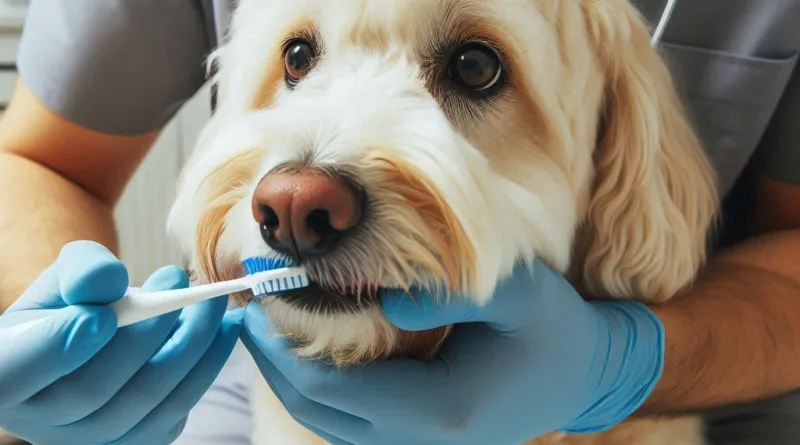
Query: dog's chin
(345,327)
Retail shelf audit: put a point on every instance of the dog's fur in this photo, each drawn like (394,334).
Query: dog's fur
(585,159)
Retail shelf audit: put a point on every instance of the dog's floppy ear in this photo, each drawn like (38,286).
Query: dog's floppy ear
(654,197)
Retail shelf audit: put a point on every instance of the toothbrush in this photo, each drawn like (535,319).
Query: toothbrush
(264,276)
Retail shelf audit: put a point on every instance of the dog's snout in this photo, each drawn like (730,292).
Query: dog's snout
(306,213)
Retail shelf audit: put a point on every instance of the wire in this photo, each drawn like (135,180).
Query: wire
(662,23)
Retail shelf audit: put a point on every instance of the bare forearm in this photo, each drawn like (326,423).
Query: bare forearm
(42,211)
(733,338)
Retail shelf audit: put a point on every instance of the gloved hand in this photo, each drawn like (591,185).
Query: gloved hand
(68,375)
(536,359)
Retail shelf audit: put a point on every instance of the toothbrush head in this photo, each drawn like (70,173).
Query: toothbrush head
(274,275)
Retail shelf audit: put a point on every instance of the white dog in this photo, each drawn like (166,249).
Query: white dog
(430,142)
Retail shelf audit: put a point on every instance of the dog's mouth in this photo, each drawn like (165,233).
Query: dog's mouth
(322,298)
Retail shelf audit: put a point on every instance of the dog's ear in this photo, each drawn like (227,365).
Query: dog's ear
(654,196)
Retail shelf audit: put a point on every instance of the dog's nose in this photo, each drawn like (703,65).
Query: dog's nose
(306,213)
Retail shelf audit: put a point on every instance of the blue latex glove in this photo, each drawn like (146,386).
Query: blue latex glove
(68,375)
(537,359)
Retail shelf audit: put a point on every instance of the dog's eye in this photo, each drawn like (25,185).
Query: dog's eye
(299,59)
(475,66)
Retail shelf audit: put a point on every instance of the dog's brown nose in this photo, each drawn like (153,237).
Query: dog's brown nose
(305,213)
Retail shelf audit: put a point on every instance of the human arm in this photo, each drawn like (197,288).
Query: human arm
(65,180)
(743,313)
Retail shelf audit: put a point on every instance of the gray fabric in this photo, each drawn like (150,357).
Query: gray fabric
(731,100)
(780,153)
(733,60)
(770,422)
(116,66)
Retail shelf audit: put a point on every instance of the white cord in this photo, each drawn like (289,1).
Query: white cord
(662,23)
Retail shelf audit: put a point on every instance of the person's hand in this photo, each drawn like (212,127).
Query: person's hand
(536,359)
(68,375)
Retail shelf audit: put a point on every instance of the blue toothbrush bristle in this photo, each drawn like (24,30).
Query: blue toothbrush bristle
(257,264)
(260,264)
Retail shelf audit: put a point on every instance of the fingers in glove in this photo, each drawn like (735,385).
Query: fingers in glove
(164,419)
(422,310)
(88,273)
(346,427)
(355,391)
(528,287)
(37,350)
(91,386)
(155,381)
(84,273)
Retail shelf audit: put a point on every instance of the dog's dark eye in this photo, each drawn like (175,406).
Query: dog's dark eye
(299,59)
(475,66)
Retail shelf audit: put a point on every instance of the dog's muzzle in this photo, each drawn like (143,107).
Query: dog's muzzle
(305,213)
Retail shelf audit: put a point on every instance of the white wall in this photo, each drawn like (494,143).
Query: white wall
(142,213)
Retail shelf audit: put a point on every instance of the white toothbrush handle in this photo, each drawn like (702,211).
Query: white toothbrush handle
(136,305)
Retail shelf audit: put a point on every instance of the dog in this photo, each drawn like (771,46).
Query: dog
(399,143)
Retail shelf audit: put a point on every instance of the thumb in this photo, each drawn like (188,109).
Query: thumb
(84,272)
(509,307)
(420,310)
(233,321)
(88,273)
(255,329)
(255,321)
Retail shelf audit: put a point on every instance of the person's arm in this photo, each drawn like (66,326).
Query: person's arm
(733,338)
(61,182)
